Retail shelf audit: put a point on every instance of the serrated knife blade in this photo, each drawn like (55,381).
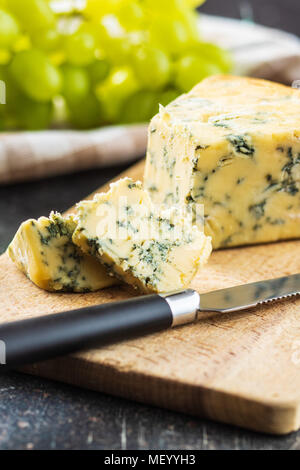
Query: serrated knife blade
(250,295)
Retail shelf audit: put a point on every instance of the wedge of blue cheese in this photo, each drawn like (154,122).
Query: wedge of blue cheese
(139,243)
(233,145)
(43,250)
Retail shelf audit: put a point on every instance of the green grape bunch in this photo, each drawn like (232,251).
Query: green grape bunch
(100,63)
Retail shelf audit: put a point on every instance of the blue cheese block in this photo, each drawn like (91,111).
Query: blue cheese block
(150,248)
(233,145)
(43,250)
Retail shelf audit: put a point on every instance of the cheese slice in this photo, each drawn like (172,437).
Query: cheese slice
(149,247)
(44,251)
(233,145)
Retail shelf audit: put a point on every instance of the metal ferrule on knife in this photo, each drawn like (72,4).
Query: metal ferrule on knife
(184,306)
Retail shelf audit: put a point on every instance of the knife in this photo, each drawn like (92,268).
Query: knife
(49,336)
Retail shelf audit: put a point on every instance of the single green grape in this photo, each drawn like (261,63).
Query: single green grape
(115,89)
(139,107)
(174,28)
(48,40)
(33,15)
(9,29)
(20,112)
(191,69)
(35,75)
(118,50)
(131,15)
(80,48)
(169,35)
(152,67)
(116,45)
(214,54)
(167,96)
(98,71)
(76,83)
(87,113)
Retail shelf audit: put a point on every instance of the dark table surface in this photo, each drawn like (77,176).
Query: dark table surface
(41,414)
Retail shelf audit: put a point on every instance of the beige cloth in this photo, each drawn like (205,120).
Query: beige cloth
(33,155)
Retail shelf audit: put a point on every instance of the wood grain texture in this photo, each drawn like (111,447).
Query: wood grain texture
(241,368)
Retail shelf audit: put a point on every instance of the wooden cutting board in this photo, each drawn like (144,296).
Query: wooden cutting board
(241,368)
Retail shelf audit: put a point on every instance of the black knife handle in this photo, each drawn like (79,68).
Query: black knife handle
(49,336)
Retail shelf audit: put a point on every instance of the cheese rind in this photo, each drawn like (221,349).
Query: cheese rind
(138,242)
(43,250)
(233,145)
